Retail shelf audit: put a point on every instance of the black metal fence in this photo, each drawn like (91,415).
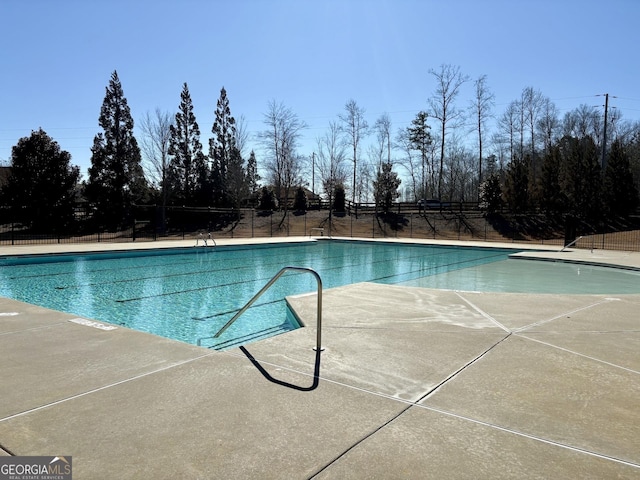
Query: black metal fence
(445,222)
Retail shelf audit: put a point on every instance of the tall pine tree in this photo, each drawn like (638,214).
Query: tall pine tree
(187,170)
(223,152)
(116,179)
(252,174)
(552,197)
(580,177)
(619,190)
(236,186)
(516,191)
(420,139)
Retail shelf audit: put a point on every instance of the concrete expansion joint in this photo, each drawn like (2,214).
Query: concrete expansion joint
(104,387)
(415,403)
(41,327)
(461,369)
(562,315)
(7,451)
(482,312)
(582,355)
(361,440)
(534,437)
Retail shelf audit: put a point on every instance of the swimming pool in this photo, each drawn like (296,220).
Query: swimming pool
(188,294)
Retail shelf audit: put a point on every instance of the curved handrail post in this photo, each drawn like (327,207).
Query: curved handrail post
(267,286)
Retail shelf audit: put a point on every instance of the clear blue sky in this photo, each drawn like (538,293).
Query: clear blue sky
(57,56)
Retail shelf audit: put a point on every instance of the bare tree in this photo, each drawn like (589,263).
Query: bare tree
(241,135)
(481,108)
(509,124)
(500,150)
(280,141)
(154,143)
(410,163)
(461,166)
(624,130)
(331,158)
(155,140)
(382,128)
(582,122)
(355,128)
(548,125)
(442,104)
(532,104)
(366,175)
(331,163)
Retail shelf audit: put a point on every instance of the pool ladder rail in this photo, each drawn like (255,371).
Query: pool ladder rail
(571,244)
(205,241)
(275,278)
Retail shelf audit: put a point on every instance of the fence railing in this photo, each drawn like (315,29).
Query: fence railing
(454,222)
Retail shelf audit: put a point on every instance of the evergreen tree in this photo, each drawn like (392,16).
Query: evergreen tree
(385,187)
(236,185)
(491,193)
(620,194)
(517,185)
(300,201)
(580,177)
(188,169)
(340,198)
(552,198)
(252,176)
(222,151)
(116,179)
(420,139)
(267,199)
(42,184)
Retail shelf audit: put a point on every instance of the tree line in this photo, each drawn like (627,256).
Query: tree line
(531,160)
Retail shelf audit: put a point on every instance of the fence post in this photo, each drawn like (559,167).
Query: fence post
(351,217)
(373,226)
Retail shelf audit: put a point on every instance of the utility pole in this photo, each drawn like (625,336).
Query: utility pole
(604,136)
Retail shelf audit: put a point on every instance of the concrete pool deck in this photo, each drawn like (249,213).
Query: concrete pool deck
(412,383)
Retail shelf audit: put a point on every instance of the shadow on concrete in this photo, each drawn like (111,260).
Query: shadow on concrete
(268,376)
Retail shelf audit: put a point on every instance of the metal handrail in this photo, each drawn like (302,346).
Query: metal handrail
(572,243)
(267,286)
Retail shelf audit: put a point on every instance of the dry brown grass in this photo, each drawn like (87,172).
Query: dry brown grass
(433,225)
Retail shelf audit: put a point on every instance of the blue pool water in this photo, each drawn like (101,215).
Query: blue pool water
(189,294)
